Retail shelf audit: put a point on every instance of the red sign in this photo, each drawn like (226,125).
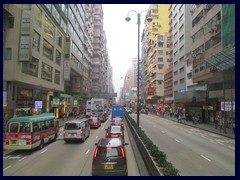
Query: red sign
(160,105)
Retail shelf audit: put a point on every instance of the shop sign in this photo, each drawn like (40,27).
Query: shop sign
(56,102)
(229,106)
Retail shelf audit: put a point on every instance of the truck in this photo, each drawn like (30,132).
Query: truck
(118,111)
(88,108)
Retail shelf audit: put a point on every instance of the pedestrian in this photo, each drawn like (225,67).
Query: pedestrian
(216,122)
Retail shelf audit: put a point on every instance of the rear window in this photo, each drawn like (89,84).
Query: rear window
(109,152)
(72,126)
(117,120)
(93,119)
(116,129)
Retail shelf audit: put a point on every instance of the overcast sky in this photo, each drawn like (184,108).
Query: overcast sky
(122,37)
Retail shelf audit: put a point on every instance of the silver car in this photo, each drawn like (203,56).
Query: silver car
(76,130)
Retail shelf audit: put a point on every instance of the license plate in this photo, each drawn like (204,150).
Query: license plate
(22,142)
(73,134)
(108,166)
(114,135)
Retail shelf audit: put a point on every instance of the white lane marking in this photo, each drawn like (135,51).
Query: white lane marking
(6,168)
(96,137)
(14,157)
(206,158)
(6,157)
(163,132)
(44,151)
(21,159)
(103,127)
(177,140)
(233,148)
(87,151)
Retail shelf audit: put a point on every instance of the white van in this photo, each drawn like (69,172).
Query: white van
(76,130)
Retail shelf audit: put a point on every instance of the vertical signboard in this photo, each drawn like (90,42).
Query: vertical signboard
(56,99)
(24,53)
(75,100)
(66,74)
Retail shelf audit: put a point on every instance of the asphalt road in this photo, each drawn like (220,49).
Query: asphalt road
(193,151)
(62,159)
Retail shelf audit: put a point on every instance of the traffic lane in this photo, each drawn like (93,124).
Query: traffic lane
(194,143)
(202,143)
(58,158)
(131,161)
(61,159)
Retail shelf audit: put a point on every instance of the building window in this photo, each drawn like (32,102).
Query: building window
(189,75)
(11,22)
(8,54)
(55,14)
(38,16)
(182,70)
(175,63)
(160,52)
(181,38)
(58,57)
(175,53)
(46,72)
(181,48)
(48,50)
(59,38)
(36,41)
(160,59)
(181,81)
(49,28)
(181,59)
(160,66)
(181,28)
(57,77)
(175,83)
(175,73)
(31,67)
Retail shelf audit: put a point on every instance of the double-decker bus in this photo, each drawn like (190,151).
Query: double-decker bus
(29,132)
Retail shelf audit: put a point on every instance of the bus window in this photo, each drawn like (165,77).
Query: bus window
(36,127)
(50,124)
(43,123)
(24,127)
(14,127)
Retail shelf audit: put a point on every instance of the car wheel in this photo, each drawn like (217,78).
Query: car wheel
(41,145)
(83,139)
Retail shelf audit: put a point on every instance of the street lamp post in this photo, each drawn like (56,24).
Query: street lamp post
(149,19)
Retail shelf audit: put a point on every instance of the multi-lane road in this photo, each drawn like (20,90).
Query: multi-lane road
(62,159)
(194,152)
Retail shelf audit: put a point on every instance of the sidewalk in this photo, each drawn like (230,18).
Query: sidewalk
(208,127)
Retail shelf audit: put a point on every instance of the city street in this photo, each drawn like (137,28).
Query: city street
(61,159)
(193,151)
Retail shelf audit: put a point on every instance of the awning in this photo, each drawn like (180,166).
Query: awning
(223,60)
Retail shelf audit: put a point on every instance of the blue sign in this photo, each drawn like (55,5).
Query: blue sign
(38,104)
(181,90)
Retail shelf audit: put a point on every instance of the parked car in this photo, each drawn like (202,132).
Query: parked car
(109,158)
(114,131)
(76,130)
(117,121)
(94,122)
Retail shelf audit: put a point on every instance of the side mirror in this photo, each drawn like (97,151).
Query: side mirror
(125,143)
(95,143)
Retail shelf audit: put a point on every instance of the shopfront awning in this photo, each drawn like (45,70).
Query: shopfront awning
(223,60)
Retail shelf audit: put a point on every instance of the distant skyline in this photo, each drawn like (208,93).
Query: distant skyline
(122,37)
